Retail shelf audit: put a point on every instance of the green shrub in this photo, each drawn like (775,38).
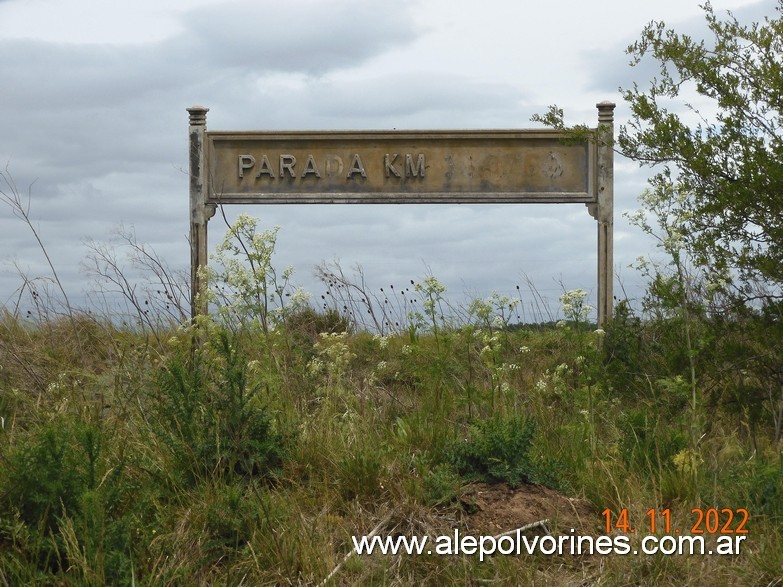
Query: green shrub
(45,475)
(70,497)
(211,418)
(441,486)
(498,449)
(648,438)
(360,474)
(623,350)
(762,488)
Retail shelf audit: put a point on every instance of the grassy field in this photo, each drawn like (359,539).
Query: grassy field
(253,445)
(250,452)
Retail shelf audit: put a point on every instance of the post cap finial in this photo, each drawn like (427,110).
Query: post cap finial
(198,115)
(606,111)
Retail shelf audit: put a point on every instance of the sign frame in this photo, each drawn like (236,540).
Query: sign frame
(524,166)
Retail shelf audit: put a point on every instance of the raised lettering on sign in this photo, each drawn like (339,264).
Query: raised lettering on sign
(394,164)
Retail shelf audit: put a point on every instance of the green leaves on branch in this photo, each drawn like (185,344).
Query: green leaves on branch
(710,123)
(554,118)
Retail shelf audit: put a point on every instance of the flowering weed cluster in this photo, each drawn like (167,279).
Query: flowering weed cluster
(574,308)
(244,286)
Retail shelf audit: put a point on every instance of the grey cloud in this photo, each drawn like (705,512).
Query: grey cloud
(414,100)
(253,36)
(615,69)
(79,77)
(312,37)
(399,98)
(73,109)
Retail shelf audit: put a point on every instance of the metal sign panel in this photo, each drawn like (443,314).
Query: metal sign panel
(500,166)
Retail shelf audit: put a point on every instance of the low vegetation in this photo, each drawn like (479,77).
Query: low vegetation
(247,448)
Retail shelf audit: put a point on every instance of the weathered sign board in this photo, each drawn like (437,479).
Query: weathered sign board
(398,167)
(402,167)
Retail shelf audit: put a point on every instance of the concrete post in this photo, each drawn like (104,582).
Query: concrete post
(200,213)
(605,210)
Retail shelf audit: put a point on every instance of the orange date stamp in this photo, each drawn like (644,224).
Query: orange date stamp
(703,521)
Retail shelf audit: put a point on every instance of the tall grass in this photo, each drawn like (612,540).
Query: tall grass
(242,450)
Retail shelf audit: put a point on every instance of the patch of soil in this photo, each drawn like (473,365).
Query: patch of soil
(498,508)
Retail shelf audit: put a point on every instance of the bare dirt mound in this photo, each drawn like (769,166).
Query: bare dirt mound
(498,509)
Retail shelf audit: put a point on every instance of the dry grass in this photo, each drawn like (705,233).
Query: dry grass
(364,427)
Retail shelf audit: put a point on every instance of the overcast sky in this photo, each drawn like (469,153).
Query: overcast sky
(93,123)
